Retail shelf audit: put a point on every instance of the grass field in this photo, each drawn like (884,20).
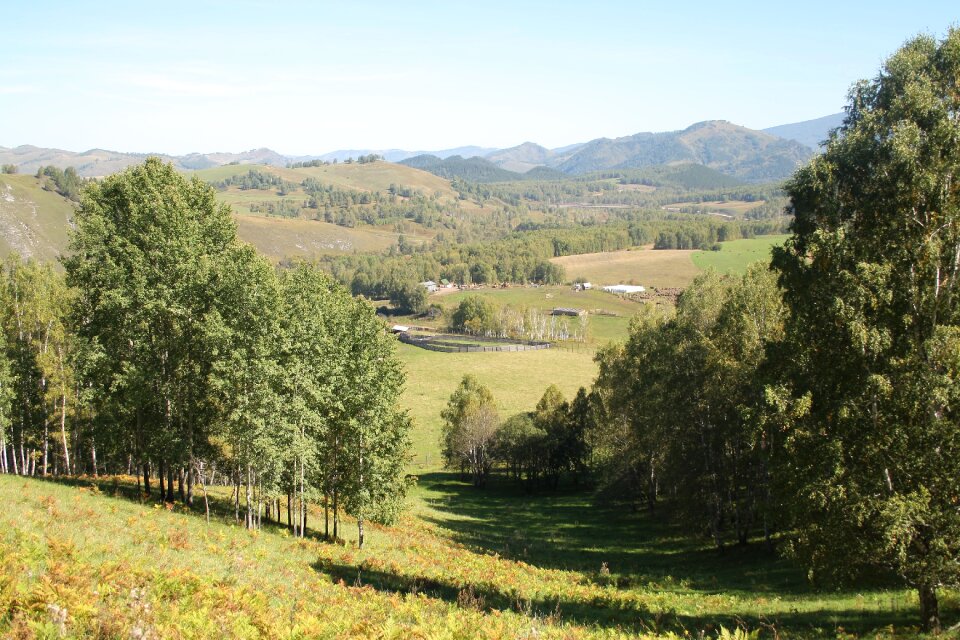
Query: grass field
(732,208)
(375,176)
(33,222)
(736,255)
(279,238)
(517,380)
(89,561)
(647,267)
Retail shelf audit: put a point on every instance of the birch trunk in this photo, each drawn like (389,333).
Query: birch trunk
(63,434)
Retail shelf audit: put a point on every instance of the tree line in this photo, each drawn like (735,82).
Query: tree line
(171,351)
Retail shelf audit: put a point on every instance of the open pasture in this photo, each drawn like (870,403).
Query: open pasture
(279,238)
(517,380)
(734,208)
(736,255)
(647,267)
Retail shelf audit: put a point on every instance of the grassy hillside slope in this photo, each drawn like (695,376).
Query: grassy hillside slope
(88,561)
(33,222)
(373,176)
(279,238)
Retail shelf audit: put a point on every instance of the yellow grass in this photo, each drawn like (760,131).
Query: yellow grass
(378,176)
(279,238)
(647,267)
(731,207)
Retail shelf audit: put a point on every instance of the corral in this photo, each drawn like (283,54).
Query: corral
(451,343)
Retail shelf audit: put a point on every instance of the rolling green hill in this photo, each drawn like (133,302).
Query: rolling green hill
(33,221)
(473,169)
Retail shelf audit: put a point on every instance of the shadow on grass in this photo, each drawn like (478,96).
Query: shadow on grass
(610,610)
(565,530)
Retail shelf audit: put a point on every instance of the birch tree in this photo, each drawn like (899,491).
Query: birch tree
(871,277)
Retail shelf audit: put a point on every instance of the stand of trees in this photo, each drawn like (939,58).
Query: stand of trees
(67,182)
(174,351)
(479,316)
(820,399)
(682,407)
(536,449)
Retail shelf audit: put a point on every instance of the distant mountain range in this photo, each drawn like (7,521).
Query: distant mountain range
(810,133)
(736,151)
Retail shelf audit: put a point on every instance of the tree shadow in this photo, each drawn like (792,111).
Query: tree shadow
(610,610)
(565,530)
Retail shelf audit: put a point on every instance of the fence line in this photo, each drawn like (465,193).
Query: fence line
(437,343)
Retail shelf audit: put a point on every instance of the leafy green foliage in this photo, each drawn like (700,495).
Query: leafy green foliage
(66,182)
(870,278)
(682,407)
(470,426)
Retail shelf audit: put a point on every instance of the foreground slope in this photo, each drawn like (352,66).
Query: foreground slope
(87,561)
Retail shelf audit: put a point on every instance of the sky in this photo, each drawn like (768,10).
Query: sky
(306,78)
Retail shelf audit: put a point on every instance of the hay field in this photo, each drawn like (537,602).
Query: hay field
(279,238)
(729,207)
(647,267)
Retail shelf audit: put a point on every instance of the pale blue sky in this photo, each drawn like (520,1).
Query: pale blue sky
(310,77)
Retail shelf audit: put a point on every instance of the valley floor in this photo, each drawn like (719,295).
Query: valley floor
(87,559)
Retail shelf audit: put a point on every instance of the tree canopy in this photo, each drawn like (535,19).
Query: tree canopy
(871,279)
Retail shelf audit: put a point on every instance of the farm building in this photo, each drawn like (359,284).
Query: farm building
(624,288)
(567,311)
(429,285)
